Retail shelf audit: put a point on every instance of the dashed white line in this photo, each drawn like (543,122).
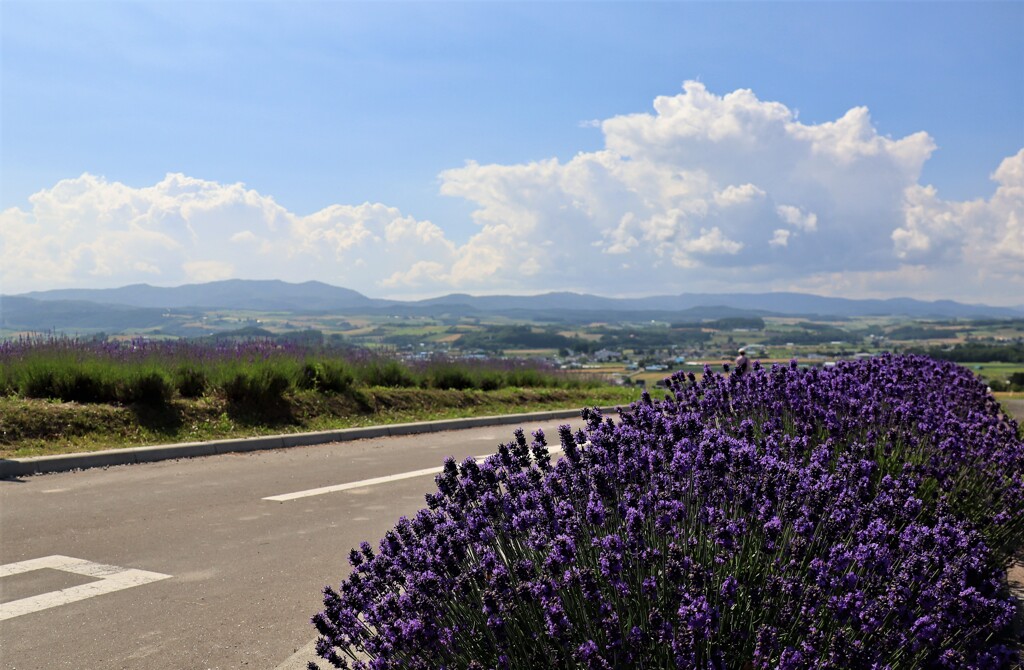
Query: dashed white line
(110,578)
(284,497)
(352,485)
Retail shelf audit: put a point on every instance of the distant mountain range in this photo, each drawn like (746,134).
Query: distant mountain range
(262,295)
(764,304)
(19,313)
(141,305)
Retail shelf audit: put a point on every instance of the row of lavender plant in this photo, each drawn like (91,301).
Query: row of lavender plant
(144,370)
(857,517)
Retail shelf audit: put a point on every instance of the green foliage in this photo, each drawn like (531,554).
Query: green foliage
(650,338)
(260,388)
(737,322)
(818,334)
(498,338)
(916,332)
(191,382)
(325,376)
(150,388)
(89,382)
(526,378)
(30,314)
(306,337)
(999,385)
(490,381)
(244,333)
(259,374)
(975,352)
(38,383)
(385,372)
(83,386)
(72,383)
(450,377)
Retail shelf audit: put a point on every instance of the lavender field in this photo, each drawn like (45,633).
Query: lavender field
(861,516)
(256,371)
(63,395)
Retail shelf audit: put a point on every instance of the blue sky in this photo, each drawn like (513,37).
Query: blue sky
(322,107)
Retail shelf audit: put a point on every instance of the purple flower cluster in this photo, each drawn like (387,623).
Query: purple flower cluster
(219,360)
(135,350)
(856,517)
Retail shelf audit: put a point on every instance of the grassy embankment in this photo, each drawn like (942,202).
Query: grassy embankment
(35,427)
(63,396)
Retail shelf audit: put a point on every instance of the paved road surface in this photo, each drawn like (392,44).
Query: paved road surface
(1014,407)
(184,565)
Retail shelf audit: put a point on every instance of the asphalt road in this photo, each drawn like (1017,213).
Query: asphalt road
(184,564)
(1014,407)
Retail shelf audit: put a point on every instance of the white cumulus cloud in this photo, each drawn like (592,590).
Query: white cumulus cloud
(736,195)
(780,237)
(705,192)
(796,218)
(985,234)
(712,242)
(694,192)
(88,231)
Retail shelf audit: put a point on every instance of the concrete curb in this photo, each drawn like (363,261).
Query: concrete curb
(18,467)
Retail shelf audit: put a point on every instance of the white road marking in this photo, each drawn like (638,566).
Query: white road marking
(110,578)
(299,659)
(285,497)
(353,485)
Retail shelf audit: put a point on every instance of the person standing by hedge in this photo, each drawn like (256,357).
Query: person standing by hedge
(742,362)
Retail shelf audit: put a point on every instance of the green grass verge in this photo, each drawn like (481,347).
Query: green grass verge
(31,427)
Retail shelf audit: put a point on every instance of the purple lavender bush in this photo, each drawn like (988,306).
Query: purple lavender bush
(857,517)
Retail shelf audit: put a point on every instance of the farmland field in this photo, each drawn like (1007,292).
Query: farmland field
(266,374)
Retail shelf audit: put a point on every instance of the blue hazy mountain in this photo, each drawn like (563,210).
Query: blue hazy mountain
(273,295)
(258,295)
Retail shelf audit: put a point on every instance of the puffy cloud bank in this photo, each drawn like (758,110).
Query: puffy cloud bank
(707,192)
(91,232)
